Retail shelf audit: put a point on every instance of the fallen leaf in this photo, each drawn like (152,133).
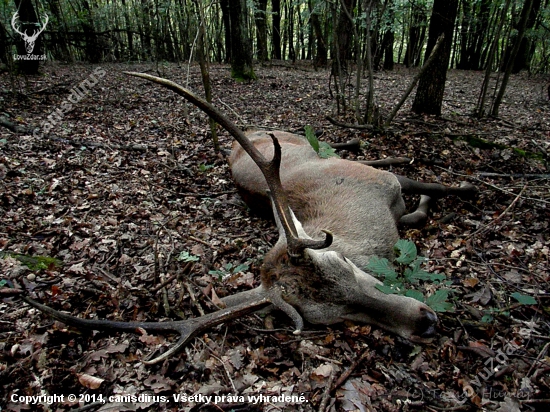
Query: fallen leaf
(89,381)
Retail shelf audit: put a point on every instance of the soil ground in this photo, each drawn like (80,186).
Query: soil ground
(126,191)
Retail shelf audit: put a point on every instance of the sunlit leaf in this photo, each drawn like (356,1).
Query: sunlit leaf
(524,299)
(406,251)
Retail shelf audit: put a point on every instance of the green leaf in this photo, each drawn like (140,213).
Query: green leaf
(217,273)
(381,267)
(311,138)
(204,168)
(35,263)
(415,294)
(406,251)
(487,318)
(185,256)
(438,301)
(427,276)
(524,299)
(240,268)
(326,151)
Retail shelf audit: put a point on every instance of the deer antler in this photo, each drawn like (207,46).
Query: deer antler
(186,328)
(270,169)
(14,22)
(43,26)
(35,34)
(244,302)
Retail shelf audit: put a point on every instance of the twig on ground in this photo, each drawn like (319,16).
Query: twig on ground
(541,354)
(498,218)
(326,394)
(346,374)
(193,298)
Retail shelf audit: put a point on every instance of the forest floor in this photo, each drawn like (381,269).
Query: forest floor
(127,192)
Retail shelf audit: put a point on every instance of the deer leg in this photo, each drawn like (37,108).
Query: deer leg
(408,186)
(419,217)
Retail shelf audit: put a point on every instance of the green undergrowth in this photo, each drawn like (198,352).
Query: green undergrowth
(34,263)
(405,276)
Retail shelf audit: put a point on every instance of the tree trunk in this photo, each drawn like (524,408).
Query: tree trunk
(480,33)
(241,50)
(387,44)
(480,108)
(344,32)
(226,17)
(261,26)
(290,31)
(276,33)
(321,56)
(417,33)
(522,59)
(59,38)
(429,95)
(510,64)
(4,48)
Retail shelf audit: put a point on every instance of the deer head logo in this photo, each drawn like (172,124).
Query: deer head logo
(29,40)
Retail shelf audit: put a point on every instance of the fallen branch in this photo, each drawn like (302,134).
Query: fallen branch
(516,175)
(353,145)
(499,217)
(398,161)
(7,292)
(346,374)
(390,161)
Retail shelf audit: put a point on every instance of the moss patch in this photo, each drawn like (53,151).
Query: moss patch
(483,144)
(35,263)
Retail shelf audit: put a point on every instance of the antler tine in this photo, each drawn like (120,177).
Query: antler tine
(187,329)
(13,24)
(270,169)
(43,25)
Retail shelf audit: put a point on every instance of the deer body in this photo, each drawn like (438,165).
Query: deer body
(358,204)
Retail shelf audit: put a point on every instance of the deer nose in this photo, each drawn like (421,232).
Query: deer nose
(428,321)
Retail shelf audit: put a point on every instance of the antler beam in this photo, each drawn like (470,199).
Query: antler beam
(187,329)
(270,169)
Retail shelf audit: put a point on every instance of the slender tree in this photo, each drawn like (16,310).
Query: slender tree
(237,41)
(429,95)
(480,108)
(226,17)
(510,64)
(276,32)
(241,50)
(344,32)
(523,56)
(260,17)
(321,55)
(417,34)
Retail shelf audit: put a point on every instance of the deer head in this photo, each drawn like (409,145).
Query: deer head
(306,275)
(29,40)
